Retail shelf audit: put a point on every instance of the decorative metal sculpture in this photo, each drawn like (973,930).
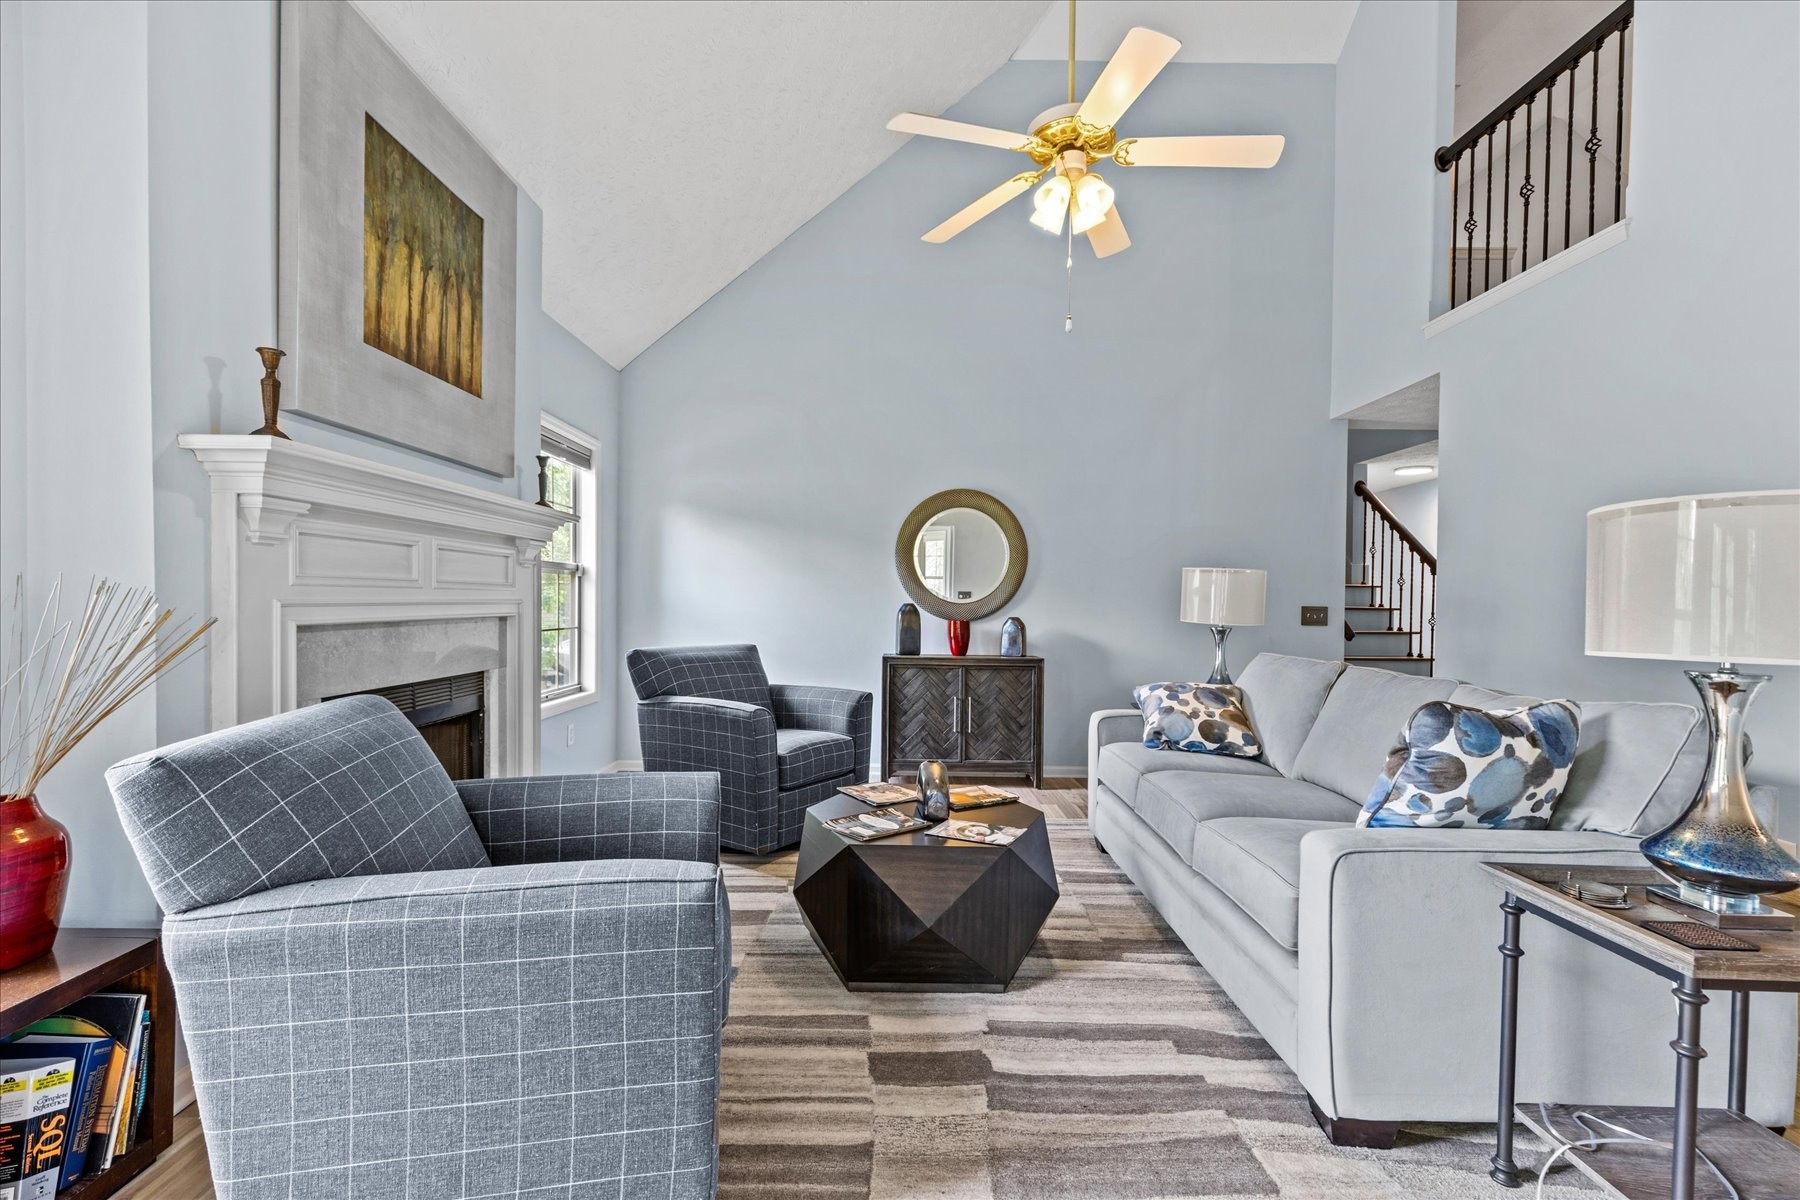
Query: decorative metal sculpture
(934,791)
(1012,638)
(906,629)
(271,392)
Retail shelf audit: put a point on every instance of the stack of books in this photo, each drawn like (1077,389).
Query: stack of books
(72,1091)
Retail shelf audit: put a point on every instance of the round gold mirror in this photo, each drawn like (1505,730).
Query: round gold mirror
(961,555)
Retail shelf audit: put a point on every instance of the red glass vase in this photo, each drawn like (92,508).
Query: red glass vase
(34,878)
(959,638)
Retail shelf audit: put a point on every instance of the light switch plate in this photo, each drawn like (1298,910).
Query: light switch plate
(570,734)
(1315,614)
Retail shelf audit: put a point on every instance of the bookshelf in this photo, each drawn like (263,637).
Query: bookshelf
(84,961)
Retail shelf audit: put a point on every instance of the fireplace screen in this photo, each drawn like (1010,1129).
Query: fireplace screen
(449,713)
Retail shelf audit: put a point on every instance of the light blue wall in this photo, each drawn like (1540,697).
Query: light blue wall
(199,110)
(1664,366)
(781,434)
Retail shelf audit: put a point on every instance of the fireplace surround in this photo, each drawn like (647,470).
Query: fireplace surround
(330,574)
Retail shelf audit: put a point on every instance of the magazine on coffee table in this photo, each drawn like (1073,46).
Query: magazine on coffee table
(977,831)
(879,823)
(979,795)
(877,794)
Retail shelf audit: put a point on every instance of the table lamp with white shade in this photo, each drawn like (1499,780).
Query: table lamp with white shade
(1222,597)
(1711,578)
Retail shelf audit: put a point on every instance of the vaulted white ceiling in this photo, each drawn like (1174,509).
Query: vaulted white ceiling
(671,145)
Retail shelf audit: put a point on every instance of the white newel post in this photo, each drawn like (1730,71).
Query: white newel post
(304,539)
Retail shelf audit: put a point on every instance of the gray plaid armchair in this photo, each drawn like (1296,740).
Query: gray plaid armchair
(778,748)
(392,985)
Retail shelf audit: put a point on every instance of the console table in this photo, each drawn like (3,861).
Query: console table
(980,714)
(1761,1164)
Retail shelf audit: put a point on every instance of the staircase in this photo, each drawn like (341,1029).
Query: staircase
(1390,608)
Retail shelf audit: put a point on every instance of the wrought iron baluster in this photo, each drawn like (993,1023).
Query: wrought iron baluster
(1592,145)
(1549,186)
(1569,156)
(1455,171)
(1487,221)
(1506,205)
(1469,230)
(1619,130)
(1525,190)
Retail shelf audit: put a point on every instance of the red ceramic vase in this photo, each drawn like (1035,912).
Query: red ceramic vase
(959,638)
(34,878)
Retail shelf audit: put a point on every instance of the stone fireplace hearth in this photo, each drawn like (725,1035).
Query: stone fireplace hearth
(332,575)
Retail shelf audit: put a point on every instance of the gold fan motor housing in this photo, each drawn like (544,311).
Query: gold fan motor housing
(1055,131)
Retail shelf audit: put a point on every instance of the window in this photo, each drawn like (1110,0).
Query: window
(566,570)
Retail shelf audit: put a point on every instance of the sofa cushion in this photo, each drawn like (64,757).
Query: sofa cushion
(804,756)
(1283,696)
(1122,764)
(1256,862)
(1175,803)
(1637,768)
(1202,718)
(1456,766)
(1350,740)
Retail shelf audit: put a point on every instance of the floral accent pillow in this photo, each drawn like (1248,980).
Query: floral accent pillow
(1202,717)
(1456,766)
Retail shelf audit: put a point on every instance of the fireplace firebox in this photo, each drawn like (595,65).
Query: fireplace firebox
(450,713)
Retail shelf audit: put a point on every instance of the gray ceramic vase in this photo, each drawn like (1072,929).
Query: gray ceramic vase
(906,629)
(934,791)
(1012,638)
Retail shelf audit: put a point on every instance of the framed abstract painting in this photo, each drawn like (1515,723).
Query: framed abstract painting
(398,249)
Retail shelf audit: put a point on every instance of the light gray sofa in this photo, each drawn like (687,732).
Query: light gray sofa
(1367,957)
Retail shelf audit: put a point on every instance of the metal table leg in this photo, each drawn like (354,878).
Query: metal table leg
(1505,1172)
(1687,1087)
(1740,1051)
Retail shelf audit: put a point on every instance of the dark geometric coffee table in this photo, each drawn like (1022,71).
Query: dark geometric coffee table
(920,913)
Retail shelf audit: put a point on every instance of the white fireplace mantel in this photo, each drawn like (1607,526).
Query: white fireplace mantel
(303,538)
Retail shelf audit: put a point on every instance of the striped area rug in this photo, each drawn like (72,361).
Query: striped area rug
(1114,1068)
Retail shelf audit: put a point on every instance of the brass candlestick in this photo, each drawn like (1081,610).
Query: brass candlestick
(271,392)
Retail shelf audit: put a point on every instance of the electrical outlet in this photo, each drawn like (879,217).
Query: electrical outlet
(1315,614)
(570,734)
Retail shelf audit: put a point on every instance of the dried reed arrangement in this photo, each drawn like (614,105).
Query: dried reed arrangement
(72,675)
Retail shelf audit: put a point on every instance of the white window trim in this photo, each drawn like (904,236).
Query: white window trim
(588,505)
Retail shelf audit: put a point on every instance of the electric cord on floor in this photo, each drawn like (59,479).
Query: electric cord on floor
(1595,1141)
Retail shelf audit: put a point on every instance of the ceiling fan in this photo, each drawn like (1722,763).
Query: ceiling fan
(1066,141)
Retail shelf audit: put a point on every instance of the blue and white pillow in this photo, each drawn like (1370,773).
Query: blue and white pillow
(1205,718)
(1456,766)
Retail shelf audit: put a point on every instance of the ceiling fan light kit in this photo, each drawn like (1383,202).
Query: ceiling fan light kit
(1066,140)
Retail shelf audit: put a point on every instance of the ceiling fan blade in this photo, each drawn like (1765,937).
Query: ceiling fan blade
(957,131)
(982,207)
(1108,237)
(1139,57)
(1246,150)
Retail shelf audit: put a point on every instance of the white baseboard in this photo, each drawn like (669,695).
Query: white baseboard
(184,1086)
(626,764)
(1075,772)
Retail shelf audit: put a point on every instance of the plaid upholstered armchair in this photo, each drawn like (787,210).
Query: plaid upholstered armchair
(778,748)
(392,985)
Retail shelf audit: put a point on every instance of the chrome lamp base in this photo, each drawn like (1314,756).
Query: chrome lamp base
(1717,852)
(1221,674)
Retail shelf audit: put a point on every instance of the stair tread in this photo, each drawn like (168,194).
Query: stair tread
(1370,608)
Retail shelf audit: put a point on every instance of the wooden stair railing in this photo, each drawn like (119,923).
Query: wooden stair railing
(1400,576)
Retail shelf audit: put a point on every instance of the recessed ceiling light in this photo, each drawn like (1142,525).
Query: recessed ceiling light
(1414,470)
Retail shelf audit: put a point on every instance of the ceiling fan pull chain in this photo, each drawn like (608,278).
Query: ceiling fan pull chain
(1069,295)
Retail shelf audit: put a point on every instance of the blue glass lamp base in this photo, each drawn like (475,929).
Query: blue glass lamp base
(1717,851)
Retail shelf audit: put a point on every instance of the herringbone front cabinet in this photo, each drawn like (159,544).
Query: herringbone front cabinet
(982,715)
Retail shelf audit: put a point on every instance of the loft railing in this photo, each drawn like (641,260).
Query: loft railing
(1550,108)
(1401,575)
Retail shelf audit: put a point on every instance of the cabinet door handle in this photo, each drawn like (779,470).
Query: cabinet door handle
(956,714)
